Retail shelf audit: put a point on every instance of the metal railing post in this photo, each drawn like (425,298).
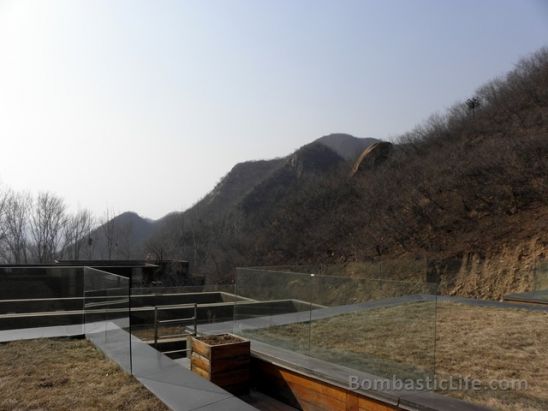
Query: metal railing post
(195,319)
(188,333)
(155,326)
(105,321)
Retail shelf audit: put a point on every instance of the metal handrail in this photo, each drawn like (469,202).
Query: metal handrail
(176,320)
(157,322)
(176,351)
(164,337)
(105,303)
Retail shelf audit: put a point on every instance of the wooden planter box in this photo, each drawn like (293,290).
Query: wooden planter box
(224,360)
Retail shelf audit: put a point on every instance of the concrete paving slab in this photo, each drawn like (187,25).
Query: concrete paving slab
(176,386)
(180,398)
(228,404)
(41,332)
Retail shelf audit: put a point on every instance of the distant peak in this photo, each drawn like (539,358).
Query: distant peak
(346,145)
(131,216)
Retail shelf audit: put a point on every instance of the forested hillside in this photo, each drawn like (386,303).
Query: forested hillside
(467,191)
(468,182)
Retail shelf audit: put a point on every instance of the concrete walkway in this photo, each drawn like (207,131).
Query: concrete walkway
(179,388)
(41,332)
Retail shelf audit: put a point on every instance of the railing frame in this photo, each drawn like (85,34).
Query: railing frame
(158,322)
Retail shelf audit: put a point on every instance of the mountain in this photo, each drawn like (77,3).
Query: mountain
(246,197)
(466,190)
(253,179)
(345,145)
(233,188)
(248,186)
(120,237)
(134,227)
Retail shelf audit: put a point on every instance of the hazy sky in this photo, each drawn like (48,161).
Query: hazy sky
(145,105)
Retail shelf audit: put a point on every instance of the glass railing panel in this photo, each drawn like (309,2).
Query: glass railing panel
(213,303)
(106,314)
(40,282)
(278,308)
(405,331)
(382,327)
(163,319)
(540,287)
(139,290)
(410,269)
(46,299)
(385,328)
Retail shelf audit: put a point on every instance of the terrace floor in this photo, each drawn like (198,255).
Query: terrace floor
(484,340)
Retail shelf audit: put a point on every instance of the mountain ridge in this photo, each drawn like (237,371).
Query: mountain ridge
(463,186)
(243,186)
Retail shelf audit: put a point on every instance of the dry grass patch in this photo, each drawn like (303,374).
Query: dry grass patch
(63,374)
(482,343)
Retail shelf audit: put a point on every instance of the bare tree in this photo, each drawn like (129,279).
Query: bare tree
(16,216)
(110,234)
(3,201)
(77,229)
(473,104)
(170,240)
(47,221)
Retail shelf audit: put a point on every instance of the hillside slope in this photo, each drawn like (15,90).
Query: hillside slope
(468,186)
(248,187)
(121,237)
(207,234)
(242,179)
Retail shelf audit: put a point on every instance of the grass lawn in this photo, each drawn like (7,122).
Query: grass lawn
(459,340)
(66,374)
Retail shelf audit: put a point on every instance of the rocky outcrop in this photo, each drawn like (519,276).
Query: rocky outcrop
(345,145)
(372,156)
